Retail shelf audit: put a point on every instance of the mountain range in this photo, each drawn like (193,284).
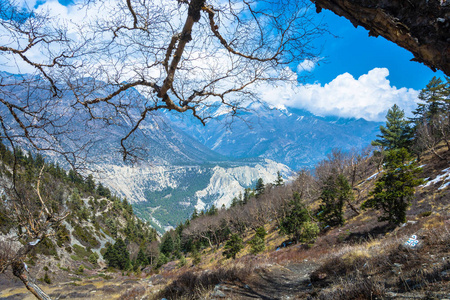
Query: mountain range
(184,165)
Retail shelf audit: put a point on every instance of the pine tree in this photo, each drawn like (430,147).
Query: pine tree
(397,133)
(167,244)
(194,214)
(335,193)
(394,190)
(162,260)
(257,242)
(117,255)
(433,96)
(298,223)
(279,181)
(233,246)
(90,184)
(259,188)
(247,195)
(196,257)
(123,254)
(432,117)
(141,259)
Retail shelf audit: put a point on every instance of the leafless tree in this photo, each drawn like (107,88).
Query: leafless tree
(189,56)
(426,137)
(32,220)
(142,56)
(33,112)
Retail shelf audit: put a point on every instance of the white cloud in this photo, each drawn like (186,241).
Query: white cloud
(306,66)
(368,97)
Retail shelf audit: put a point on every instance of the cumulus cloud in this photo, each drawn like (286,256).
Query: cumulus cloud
(368,97)
(307,65)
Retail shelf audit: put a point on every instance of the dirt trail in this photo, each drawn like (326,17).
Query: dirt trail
(271,282)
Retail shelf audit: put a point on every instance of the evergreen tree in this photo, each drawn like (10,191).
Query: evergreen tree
(194,214)
(397,133)
(212,210)
(162,260)
(395,188)
(257,242)
(167,244)
(247,195)
(141,259)
(259,188)
(103,191)
(335,192)
(90,184)
(432,117)
(111,257)
(279,181)
(257,245)
(233,246)
(196,257)
(298,223)
(234,202)
(261,232)
(123,254)
(117,255)
(434,97)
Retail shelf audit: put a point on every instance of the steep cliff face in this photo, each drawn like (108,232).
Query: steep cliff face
(420,26)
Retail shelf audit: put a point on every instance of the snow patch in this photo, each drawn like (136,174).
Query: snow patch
(440,178)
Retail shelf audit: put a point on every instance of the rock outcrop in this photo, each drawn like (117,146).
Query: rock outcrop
(420,26)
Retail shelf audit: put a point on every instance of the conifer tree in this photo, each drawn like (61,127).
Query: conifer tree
(394,190)
(167,244)
(279,181)
(335,193)
(298,223)
(259,188)
(233,246)
(397,133)
(257,242)
(196,257)
(117,255)
(434,97)
(194,214)
(432,117)
(141,259)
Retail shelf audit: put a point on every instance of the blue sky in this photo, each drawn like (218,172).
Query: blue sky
(357,76)
(357,53)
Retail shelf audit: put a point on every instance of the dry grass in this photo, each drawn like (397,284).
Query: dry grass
(192,284)
(356,288)
(357,270)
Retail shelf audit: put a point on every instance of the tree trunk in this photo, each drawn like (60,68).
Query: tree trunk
(420,26)
(18,271)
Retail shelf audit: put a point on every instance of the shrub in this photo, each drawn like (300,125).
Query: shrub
(257,245)
(85,237)
(93,258)
(80,270)
(162,260)
(196,257)
(309,232)
(47,279)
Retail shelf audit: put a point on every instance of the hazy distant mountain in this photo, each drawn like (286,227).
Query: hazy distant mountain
(293,137)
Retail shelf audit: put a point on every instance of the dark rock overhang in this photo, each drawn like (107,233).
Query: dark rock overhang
(420,26)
